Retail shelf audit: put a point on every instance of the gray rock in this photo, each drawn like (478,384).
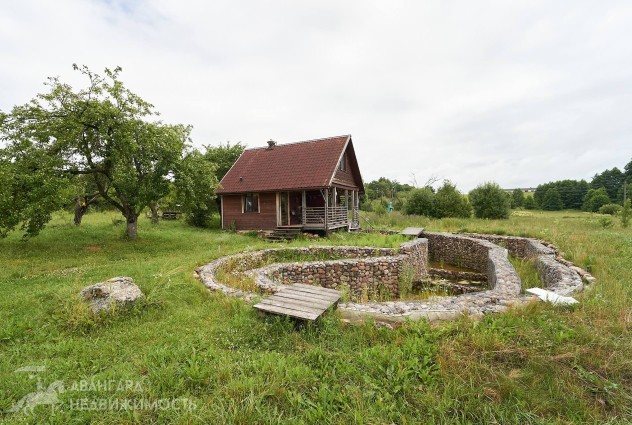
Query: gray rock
(118,290)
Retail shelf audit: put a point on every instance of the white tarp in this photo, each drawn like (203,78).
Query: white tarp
(552,297)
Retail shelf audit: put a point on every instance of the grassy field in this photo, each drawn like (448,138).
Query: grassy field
(540,364)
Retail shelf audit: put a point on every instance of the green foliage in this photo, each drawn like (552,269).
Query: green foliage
(552,201)
(421,202)
(595,199)
(529,203)
(449,202)
(103,132)
(378,205)
(195,183)
(517,198)
(31,189)
(384,187)
(490,201)
(626,213)
(572,192)
(446,202)
(612,181)
(610,209)
(223,157)
(606,222)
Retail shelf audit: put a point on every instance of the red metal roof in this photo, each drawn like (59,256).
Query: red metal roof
(301,165)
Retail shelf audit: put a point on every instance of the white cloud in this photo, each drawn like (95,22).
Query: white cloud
(516,92)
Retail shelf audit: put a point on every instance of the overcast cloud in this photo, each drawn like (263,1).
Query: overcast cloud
(518,92)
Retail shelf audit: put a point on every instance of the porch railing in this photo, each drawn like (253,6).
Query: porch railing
(336,216)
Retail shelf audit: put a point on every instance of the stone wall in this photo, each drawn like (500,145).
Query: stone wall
(457,250)
(367,270)
(364,270)
(517,246)
(556,273)
(475,254)
(362,277)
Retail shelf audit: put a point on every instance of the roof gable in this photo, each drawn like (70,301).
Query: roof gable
(301,165)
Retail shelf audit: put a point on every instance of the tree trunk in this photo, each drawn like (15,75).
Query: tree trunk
(81,206)
(132,221)
(154,214)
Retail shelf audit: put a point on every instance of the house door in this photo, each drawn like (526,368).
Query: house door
(290,209)
(284,209)
(296,208)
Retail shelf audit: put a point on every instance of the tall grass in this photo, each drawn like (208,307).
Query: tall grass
(540,364)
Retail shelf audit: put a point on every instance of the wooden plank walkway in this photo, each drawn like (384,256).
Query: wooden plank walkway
(300,301)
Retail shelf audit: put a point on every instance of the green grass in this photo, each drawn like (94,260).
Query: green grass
(540,364)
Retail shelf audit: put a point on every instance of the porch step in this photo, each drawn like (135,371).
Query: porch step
(284,233)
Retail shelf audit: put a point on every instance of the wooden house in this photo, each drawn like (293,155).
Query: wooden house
(310,185)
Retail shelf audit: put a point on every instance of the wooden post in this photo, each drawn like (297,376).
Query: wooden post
(347,207)
(326,209)
(304,209)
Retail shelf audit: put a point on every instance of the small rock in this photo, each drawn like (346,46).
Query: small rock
(117,290)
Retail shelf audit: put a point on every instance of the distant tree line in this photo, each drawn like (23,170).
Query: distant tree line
(604,193)
(605,188)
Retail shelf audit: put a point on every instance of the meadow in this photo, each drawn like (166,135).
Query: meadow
(540,364)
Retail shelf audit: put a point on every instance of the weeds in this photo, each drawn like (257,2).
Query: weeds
(537,364)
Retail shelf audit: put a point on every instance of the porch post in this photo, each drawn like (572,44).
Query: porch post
(347,205)
(304,209)
(326,208)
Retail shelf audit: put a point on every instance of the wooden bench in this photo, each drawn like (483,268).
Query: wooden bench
(305,302)
(170,215)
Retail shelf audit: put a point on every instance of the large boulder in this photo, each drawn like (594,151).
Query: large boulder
(119,290)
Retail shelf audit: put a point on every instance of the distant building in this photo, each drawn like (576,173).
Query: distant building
(524,189)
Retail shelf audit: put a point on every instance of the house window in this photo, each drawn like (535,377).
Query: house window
(343,163)
(251,202)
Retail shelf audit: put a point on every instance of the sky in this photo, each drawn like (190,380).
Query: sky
(516,92)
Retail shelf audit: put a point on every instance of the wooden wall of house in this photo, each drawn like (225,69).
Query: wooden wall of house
(346,177)
(265,219)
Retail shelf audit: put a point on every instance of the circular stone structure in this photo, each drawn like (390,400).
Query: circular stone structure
(369,270)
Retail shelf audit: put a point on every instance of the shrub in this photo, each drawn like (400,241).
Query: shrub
(606,222)
(420,202)
(595,199)
(552,200)
(517,199)
(529,203)
(449,202)
(610,209)
(490,201)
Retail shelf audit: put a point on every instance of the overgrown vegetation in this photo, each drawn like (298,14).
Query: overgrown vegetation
(541,364)
(490,201)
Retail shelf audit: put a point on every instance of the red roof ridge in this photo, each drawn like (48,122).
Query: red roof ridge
(302,141)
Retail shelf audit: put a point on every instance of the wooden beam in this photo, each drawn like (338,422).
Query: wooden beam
(326,209)
(304,209)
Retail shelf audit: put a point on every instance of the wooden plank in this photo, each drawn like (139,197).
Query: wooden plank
(320,288)
(300,301)
(303,297)
(287,312)
(277,303)
(312,289)
(326,295)
(320,296)
(305,302)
